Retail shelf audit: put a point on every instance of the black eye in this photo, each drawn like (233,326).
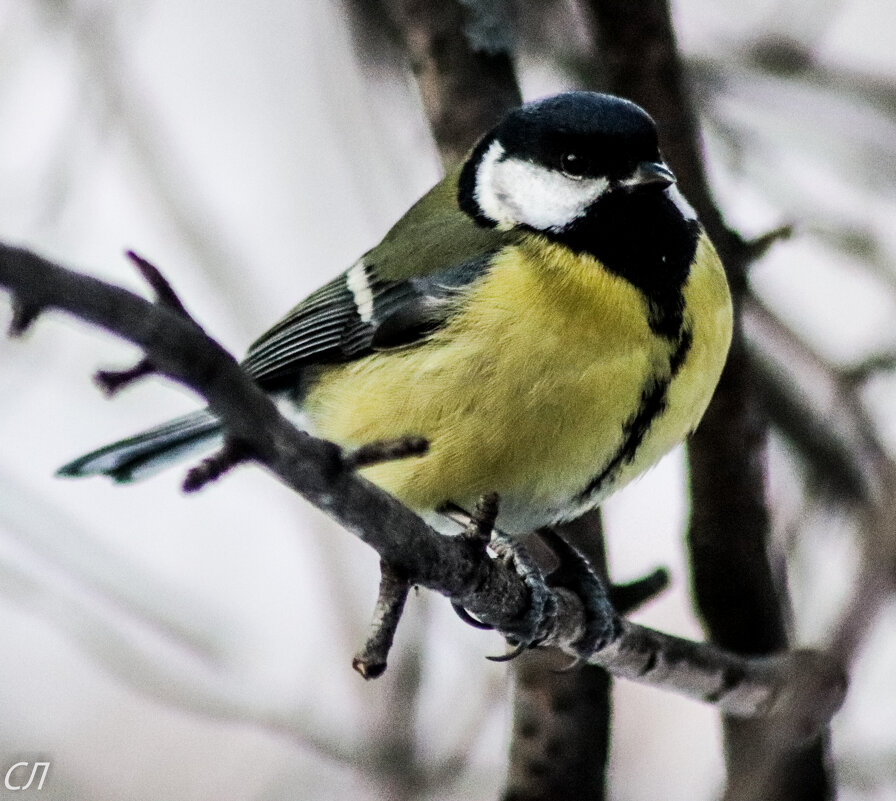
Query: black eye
(573,165)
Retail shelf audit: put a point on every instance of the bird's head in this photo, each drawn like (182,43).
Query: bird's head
(547,163)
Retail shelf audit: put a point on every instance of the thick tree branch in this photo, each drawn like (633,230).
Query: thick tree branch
(463,66)
(560,740)
(452,566)
(560,743)
(733,583)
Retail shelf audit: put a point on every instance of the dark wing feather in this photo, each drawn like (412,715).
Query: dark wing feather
(328,327)
(313,330)
(414,277)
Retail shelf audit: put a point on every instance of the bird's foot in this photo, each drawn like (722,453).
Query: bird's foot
(480,531)
(525,634)
(574,573)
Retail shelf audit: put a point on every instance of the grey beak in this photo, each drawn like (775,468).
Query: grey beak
(651,172)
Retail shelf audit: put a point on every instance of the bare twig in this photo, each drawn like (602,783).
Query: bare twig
(232,453)
(830,460)
(388,451)
(859,373)
(111,381)
(482,521)
(452,566)
(878,575)
(23,316)
(740,686)
(841,446)
(755,249)
(629,597)
(165,293)
(371,660)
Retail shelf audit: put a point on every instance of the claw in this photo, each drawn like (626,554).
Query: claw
(575,664)
(464,615)
(517,650)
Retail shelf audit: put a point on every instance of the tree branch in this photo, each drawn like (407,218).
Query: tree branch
(560,741)
(466,81)
(733,583)
(453,566)
(370,661)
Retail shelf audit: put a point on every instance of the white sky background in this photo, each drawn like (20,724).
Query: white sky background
(156,646)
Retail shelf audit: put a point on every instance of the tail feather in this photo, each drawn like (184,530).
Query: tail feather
(145,454)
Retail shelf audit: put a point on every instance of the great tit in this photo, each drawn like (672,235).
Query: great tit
(550,317)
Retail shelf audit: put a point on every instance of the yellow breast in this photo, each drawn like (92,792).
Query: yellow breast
(527,390)
(708,315)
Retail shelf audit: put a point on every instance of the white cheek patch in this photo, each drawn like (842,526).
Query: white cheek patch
(686,209)
(359,286)
(513,192)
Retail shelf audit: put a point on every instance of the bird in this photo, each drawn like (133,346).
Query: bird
(551,318)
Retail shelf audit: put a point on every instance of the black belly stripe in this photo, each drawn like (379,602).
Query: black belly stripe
(653,404)
(676,360)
